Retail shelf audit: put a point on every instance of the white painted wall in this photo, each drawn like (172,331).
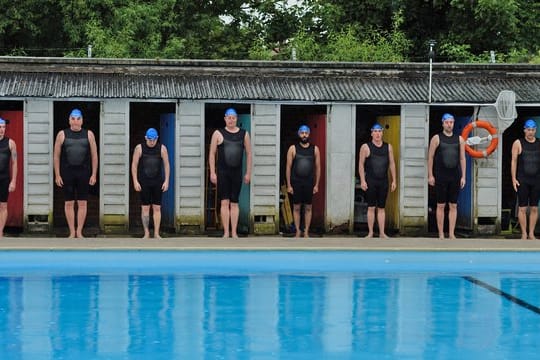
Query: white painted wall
(413,168)
(340,166)
(38,168)
(190,165)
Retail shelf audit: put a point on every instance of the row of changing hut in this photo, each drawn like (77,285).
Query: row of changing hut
(185,100)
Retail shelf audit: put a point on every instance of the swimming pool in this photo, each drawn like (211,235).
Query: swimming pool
(268,305)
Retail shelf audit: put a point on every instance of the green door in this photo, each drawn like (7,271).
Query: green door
(244,122)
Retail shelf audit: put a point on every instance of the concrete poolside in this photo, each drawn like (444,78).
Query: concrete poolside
(269,243)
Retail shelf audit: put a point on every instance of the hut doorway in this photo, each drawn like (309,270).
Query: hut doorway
(214,114)
(160,116)
(12,111)
(91,120)
(389,118)
(292,117)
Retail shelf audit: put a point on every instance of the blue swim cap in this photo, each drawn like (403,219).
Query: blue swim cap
(151,134)
(304,128)
(2,121)
(76,113)
(447,116)
(377,126)
(530,124)
(230,111)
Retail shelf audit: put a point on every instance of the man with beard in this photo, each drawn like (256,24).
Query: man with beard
(303,173)
(446,171)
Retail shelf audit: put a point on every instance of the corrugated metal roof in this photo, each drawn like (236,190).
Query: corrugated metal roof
(272,81)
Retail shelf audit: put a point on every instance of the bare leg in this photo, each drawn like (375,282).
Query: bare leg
(234,213)
(157,220)
(307,219)
(70,217)
(452,217)
(381,218)
(225,215)
(370,220)
(145,218)
(296,217)
(3,217)
(82,206)
(533,218)
(440,220)
(522,218)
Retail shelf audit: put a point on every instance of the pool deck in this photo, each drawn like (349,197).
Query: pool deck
(269,243)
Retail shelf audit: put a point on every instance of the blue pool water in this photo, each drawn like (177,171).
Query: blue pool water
(269,305)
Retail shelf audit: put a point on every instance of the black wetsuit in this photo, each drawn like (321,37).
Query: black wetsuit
(150,175)
(447,168)
(528,173)
(75,164)
(303,174)
(5,161)
(376,167)
(229,164)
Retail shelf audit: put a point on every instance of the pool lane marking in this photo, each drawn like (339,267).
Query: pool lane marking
(505,295)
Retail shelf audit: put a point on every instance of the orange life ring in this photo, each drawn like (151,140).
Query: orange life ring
(492,133)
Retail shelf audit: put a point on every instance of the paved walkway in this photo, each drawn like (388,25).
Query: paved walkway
(268,243)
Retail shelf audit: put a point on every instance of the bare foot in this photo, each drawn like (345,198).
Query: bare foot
(524,237)
(384,236)
(156,236)
(532,237)
(306,235)
(146,236)
(441,237)
(298,234)
(368,236)
(225,236)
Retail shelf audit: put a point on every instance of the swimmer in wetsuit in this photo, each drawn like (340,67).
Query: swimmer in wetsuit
(229,144)
(150,170)
(525,170)
(8,172)
(303,173)
(375,159)
(75,168)
(446,172)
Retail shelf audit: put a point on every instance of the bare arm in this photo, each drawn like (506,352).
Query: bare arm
(217,138)
(290,157)
(94,157)
(392,161)
(462,161)
(166,167)
(56,157)
(135,166)
(516,150)
(433,145)
(362,156)
(14,169)
(317,169)
(247,147)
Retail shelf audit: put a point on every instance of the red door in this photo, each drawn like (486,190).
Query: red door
(14,130)
(317,124)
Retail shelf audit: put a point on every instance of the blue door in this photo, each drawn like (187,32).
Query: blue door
(464,209)
(167,136)
(244,122)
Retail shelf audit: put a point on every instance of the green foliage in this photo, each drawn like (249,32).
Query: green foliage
(319,30)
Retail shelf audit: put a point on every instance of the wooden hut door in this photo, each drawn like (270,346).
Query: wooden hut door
(391,125)
(244,122)
(317,124)
(14,130)
(167,136)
